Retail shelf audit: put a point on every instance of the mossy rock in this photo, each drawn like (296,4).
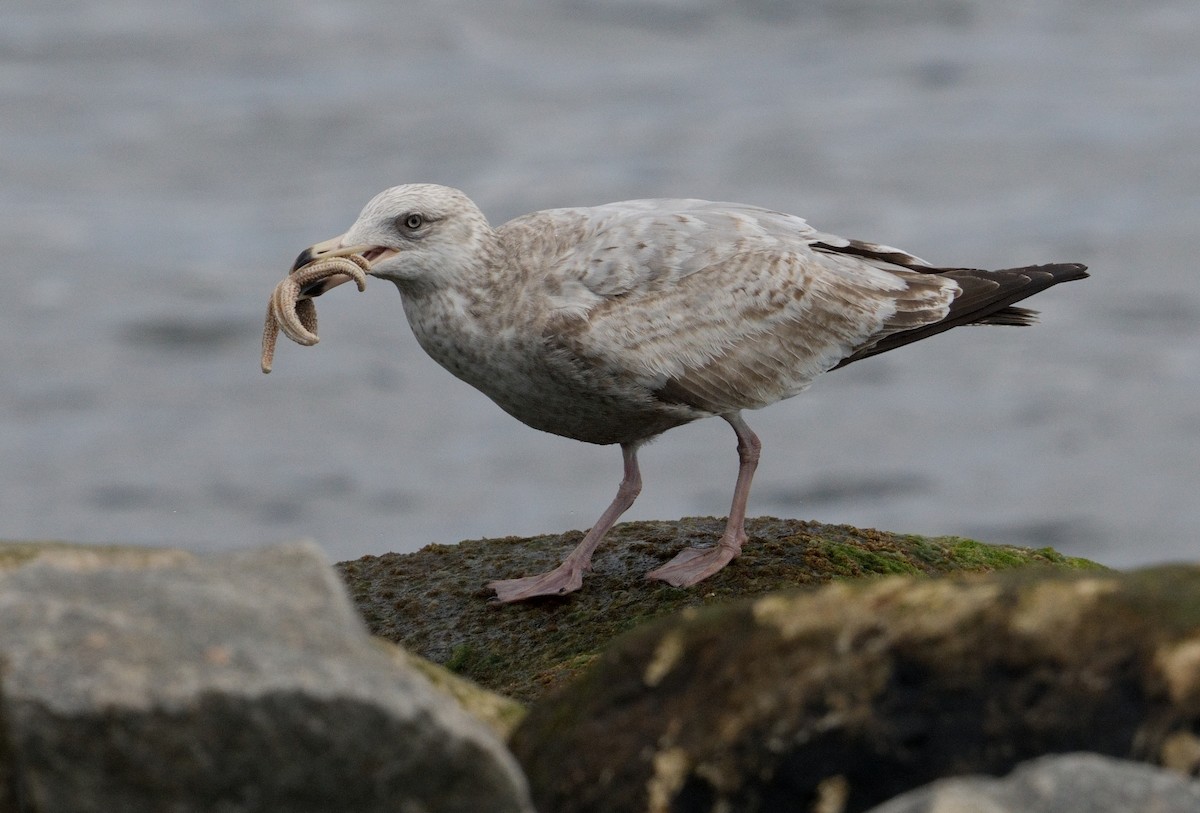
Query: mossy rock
(842,697)
(435,603)
(499,713)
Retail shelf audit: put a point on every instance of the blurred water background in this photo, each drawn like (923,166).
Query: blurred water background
(162,163)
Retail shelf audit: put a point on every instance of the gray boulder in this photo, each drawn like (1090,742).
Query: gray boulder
(1068,783)
(240,682)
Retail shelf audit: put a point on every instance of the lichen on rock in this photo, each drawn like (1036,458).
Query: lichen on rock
(882,684)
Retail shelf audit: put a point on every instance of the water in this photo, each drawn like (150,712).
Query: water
(162,163)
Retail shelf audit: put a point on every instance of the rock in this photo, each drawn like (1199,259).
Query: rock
(239,682)
(499,713)
(434,602)
(1069,783)
(841,698)
(17,554)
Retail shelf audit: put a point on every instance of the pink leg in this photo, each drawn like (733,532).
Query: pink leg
(568,577)
(697,564)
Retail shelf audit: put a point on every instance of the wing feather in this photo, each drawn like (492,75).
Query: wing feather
(720,308)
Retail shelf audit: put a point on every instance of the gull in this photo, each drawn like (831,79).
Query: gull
(612,324)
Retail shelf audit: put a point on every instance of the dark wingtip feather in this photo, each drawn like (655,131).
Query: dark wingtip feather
(1012,316)
(1079,269)
(1061,272)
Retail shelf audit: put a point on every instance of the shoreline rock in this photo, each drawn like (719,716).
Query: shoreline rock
(1060,783)
(434,603)
(844,697)
(829,668)
(141,680)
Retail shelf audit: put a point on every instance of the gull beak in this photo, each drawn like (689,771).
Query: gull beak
(325,250)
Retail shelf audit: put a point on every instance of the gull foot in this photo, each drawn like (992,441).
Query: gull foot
(693,565)
(557,582)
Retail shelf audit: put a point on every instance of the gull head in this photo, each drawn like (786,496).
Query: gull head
(416,235)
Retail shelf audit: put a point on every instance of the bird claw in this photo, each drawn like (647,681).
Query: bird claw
(693,565)
(290,311)
(557,582)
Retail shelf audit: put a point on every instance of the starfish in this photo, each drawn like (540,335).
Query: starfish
(291,308)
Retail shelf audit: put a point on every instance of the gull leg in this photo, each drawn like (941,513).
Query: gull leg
(568,577)
(697,564)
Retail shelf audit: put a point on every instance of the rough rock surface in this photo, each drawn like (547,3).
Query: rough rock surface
(844,697)
(434,602)
(240,682)
(499,713)
(1067,783)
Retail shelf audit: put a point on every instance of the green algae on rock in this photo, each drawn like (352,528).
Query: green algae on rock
(434,602)
(499,713)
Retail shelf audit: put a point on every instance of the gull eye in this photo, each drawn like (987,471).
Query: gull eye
(412,221)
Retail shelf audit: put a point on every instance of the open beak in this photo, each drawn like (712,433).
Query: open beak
(334,248)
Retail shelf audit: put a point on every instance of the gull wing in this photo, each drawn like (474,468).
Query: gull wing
(715,306)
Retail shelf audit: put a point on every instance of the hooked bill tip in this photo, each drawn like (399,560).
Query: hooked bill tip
(304,259)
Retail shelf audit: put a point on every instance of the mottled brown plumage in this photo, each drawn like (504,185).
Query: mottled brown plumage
(615,323)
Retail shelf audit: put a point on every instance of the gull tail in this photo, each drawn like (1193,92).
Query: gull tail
(987,298)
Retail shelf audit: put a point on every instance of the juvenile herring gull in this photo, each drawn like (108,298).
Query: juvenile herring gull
(614,323)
